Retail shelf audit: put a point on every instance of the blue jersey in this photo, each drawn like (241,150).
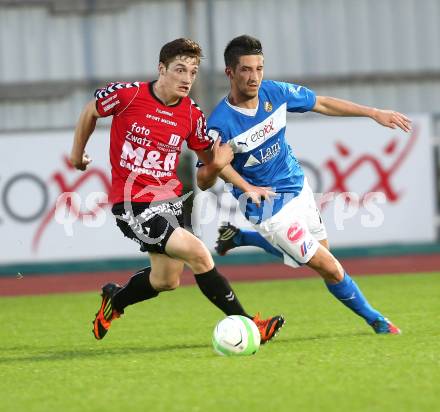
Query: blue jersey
(262,155)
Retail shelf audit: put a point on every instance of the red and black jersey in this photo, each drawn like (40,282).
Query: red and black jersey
(146,140)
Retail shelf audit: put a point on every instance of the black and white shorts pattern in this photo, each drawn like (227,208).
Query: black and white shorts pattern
(149,224)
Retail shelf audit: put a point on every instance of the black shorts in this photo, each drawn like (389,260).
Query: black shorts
(149,224)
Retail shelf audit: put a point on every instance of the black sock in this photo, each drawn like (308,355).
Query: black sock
(217,289)
(137,289)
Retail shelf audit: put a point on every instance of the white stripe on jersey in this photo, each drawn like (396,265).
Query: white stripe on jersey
(201,122)
(195,104)
(112,87)
(258,134)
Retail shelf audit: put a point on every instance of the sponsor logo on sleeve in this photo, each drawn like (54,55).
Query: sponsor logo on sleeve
(111,105)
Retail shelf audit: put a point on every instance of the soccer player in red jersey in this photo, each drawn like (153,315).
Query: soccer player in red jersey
(150,122)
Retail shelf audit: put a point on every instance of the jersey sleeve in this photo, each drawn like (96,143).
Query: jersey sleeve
(198,138)
(115,97)
(213,134)
(298,98)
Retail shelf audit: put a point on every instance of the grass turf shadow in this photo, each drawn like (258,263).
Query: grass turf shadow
(53,355)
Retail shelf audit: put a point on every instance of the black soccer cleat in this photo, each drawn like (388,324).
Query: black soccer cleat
(226,233)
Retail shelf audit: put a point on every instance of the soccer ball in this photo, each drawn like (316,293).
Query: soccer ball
(236,335)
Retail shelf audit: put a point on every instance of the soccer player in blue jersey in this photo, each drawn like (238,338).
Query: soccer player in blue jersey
(252,120)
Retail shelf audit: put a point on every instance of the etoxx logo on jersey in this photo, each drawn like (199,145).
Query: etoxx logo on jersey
(263,132)
(257,135)
(260,134)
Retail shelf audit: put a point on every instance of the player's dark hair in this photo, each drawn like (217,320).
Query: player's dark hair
(179,47)
(241,46)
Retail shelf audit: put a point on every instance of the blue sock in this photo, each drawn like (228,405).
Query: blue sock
(351,296)
(253,238)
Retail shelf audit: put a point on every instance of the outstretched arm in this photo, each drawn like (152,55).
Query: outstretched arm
(332,106)
(83,130)
(255,193)
(214,160)
(217,164)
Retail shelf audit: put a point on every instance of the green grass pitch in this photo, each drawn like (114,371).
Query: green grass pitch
(158,356)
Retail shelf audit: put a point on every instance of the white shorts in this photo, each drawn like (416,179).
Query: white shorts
(296,229)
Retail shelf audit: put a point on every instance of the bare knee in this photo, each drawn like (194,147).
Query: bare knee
(186,247)
(327,266)
(162,281)
(332,274)
(325,243)
(200,260)
(163,285)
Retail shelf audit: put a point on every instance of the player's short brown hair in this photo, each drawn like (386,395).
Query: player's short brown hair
(179,47)
(241,46)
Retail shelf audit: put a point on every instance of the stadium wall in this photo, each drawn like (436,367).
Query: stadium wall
(379,52)
(53,53)
(54,215)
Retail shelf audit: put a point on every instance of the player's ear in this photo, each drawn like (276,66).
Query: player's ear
(228,72)
(162,69)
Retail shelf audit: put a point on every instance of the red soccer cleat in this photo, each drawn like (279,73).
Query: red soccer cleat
(268,327)
(106,313)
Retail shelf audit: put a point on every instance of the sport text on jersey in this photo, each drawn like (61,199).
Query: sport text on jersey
(161,119)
